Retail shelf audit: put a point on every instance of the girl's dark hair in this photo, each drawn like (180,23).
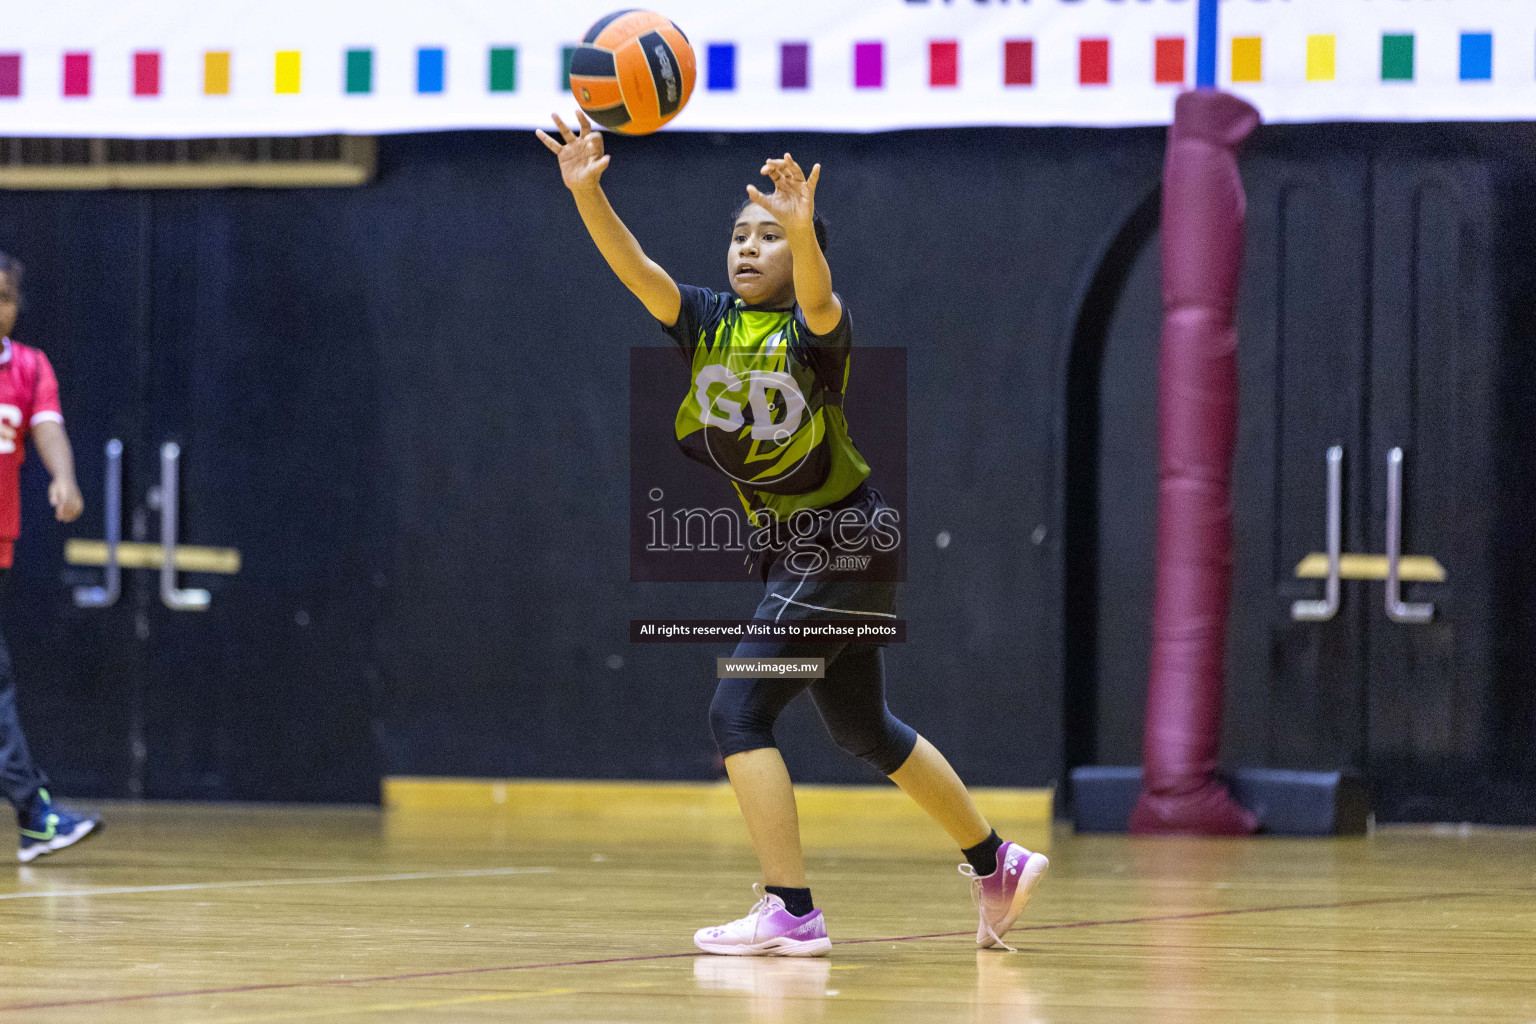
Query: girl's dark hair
(816,222)
(11,267)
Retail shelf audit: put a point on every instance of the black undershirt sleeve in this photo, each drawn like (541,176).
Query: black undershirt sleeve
(699,308)
(826,354)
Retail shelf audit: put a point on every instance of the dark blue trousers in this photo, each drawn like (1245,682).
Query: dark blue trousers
(19,777)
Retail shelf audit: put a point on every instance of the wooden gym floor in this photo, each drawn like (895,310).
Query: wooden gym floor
(235,914)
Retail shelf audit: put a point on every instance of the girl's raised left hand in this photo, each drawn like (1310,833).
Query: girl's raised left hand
(793,199)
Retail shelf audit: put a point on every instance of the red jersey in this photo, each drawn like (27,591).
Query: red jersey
(29,395)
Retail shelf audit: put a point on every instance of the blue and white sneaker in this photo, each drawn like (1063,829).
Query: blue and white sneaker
(46,828)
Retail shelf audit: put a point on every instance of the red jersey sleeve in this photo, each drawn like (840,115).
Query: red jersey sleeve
(45,400)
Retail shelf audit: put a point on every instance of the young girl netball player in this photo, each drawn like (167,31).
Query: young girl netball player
(29,403)
(786,327)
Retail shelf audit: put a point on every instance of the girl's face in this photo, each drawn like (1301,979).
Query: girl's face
(10,301)
(759,262)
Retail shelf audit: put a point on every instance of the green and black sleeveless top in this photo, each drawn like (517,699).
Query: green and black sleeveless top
(765,402)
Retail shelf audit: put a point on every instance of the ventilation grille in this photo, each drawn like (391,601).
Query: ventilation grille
(305,162)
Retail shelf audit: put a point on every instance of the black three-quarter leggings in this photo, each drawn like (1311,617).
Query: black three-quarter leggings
(851,700)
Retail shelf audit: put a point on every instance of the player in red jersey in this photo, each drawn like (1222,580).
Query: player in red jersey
(29,404)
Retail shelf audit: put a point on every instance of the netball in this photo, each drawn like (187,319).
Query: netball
(633,72)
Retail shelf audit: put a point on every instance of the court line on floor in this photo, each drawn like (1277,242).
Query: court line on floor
(1197,914)
(1191,916)
(651,957)
(1196,948)
(266,882)
(431,1004)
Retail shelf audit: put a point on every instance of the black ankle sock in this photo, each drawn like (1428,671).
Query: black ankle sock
(796,901)
(983,856)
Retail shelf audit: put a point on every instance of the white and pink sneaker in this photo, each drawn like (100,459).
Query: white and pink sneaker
(1000,896)
(768,930)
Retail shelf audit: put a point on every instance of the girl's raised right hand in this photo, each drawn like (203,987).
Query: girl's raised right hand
(582,161)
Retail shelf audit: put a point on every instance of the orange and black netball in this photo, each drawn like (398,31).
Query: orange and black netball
(633,72)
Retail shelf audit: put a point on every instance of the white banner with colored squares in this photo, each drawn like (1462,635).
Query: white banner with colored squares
(188,68)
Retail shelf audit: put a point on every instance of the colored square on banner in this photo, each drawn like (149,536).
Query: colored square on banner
(1247,59)
(146,73)
(1322,58)
(216,73)
(287,67)
(720,61)
(77,74)
(943,63)
(868,65)
(431,69)
(503,69)
(1477,57)
(1018,62)
(795,66)
(1093,62)
(1397,58)
(359,72)
(566,55)
(1168,61)
(10,75)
